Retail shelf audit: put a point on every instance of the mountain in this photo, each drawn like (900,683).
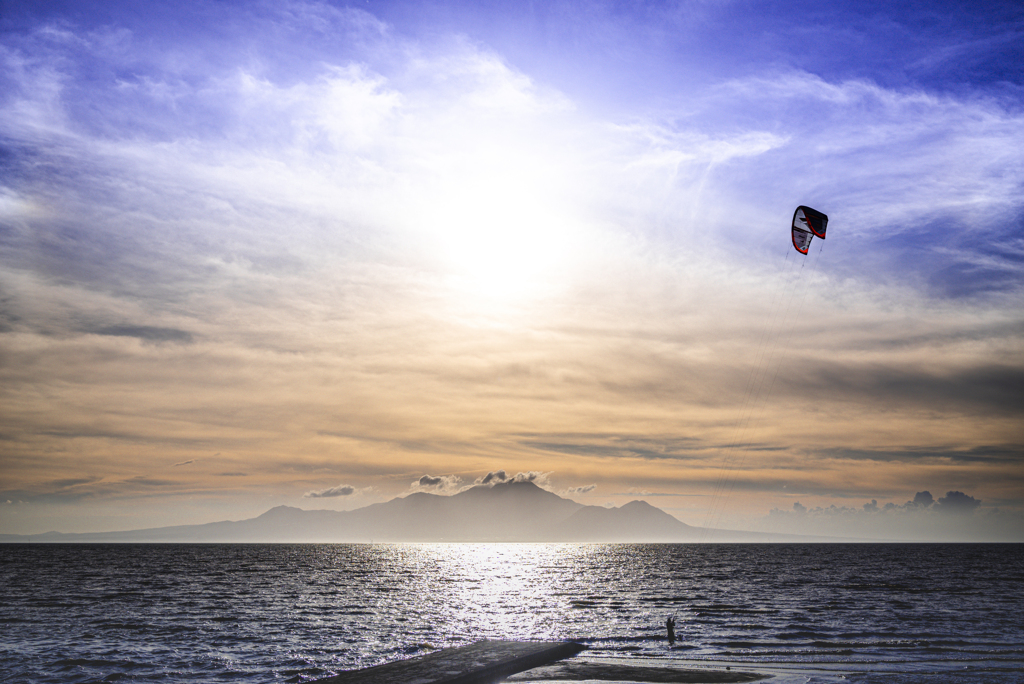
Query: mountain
(505,512)
(509,511)
(635,521)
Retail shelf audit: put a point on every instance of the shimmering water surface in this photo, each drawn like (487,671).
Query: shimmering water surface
(266,613)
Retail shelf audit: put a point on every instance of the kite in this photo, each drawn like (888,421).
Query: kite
(807,223)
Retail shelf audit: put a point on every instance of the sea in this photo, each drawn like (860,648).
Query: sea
(295,613)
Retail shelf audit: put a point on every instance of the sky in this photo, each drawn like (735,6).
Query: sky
(322,255)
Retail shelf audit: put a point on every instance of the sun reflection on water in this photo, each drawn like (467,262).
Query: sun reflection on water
(504,591)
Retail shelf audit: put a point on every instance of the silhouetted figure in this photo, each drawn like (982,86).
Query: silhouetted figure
(670,627)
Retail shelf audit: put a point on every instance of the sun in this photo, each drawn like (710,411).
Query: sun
(499,227)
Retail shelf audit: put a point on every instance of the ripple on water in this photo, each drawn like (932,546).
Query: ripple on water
(181,613)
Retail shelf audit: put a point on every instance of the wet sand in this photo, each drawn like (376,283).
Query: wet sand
(483,662)
(601,670)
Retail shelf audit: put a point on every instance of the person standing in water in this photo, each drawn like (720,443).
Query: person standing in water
(670,627)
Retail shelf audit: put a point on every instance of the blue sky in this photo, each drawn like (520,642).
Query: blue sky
(256,251)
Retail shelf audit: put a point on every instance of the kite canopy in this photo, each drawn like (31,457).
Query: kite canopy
(807,223)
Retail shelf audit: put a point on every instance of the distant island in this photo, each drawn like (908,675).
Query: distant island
(505,512)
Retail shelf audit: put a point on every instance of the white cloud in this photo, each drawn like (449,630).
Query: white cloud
(440,484)
(331,492)
(578,491)
(889,160)
(541,479)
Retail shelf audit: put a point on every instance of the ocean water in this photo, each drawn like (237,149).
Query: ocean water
(293,613)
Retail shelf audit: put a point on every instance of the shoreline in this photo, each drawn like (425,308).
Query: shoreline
(645,670)
(613,670)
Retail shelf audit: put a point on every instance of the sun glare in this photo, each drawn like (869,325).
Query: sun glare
(490,583)
(498,225)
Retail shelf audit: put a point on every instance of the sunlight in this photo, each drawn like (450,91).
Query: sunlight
(498,223)
(496,587)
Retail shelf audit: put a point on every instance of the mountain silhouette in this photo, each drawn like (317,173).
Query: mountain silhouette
(504,512)
(635,521)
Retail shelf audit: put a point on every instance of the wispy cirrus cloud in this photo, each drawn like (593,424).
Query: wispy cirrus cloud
(146,332)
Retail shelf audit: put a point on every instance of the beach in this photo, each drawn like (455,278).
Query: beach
(615,670)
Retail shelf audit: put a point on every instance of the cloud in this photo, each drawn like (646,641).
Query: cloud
(953,502)
(981,389)
(100,489)
(921,235)
(539,478)
(576,491)
(957,503)
(151,481)
(953,517)
(442,484)
(73,482)
(1005,453)
(923,499)
(146,333)
(641,491)
(492,478)
(620,445)
(190,461)
(331,492)
(451,484)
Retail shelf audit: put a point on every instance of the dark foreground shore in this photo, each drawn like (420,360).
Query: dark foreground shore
(598,670)
(489,661)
